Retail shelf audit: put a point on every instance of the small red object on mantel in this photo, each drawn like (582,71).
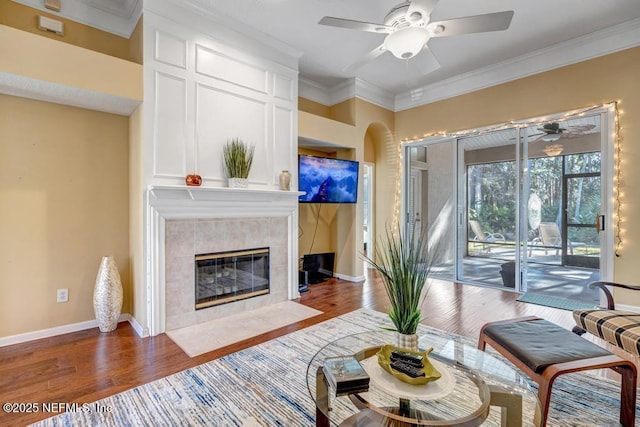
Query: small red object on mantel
(193,180)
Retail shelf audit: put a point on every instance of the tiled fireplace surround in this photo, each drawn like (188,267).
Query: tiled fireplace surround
(186,238)
(185,221)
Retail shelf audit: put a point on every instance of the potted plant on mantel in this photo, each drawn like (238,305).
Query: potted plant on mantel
(403,265)
(238,157)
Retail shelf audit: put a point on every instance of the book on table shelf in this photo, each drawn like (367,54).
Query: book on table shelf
(345,375)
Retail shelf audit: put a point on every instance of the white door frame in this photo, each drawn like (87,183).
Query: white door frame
(370,171)
(608,146)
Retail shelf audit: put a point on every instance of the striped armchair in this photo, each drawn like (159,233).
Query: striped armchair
(620,328)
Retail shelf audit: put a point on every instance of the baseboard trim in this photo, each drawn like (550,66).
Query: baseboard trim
(60,330)
(140,330)
(349,278)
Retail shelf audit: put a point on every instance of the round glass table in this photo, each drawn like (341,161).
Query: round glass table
(475,388)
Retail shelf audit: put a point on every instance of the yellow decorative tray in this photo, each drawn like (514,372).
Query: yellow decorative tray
(431,373)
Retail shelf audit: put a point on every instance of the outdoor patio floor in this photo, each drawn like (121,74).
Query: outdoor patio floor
(545,275)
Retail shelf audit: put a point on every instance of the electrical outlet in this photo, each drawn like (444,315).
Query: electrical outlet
(62,295)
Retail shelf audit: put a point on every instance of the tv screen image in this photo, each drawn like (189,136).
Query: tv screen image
(327,180)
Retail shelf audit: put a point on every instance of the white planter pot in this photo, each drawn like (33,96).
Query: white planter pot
(238,183)
(107,295)
(407,341)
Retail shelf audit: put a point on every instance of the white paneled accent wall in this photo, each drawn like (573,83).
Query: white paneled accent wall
(206,84)
(204,93)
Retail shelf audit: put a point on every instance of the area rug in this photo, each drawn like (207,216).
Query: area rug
(209,336)
(555,302)
(265,385)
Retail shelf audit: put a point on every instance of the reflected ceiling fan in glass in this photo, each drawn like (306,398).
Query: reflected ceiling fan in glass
(553,150)
(552,132)
(409,29)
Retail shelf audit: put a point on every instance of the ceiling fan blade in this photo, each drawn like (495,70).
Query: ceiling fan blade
(426,61)
(472,24)
(355,25)
(580,128)
(365,59)
(421,7)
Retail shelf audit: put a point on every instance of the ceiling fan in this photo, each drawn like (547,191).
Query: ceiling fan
(408,28)
(552,132)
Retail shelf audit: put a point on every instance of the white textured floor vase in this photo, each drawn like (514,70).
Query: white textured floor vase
(107,295)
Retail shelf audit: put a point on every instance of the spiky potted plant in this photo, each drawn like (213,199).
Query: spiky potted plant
(238,158)
(403,263)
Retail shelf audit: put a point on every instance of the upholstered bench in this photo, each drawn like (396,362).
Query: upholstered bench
(544,351)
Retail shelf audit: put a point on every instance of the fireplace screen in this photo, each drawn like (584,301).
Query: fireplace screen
(231,276)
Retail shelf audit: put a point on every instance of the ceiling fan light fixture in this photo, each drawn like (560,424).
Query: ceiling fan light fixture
(406,43)
(553,150)
(552,137)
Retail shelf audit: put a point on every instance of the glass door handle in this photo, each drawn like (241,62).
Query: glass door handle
(600,223)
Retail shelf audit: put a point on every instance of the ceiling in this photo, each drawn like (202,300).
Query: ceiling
(549,33)
(327,50)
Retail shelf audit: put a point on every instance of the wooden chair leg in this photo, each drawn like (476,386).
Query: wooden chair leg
(627,394)
(482,344)
(544,396)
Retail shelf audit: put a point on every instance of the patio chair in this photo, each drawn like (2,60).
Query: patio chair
(484,237)
(550,237)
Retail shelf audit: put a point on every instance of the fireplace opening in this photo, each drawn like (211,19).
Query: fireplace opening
(231,276)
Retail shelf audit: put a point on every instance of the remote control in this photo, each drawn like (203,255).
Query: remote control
(408,362)
(412,359)
(405,368)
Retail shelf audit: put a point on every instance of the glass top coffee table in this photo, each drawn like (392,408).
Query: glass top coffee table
(475,389)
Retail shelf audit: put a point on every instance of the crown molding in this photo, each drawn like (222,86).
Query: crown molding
(375,95)
(116,20)
(314,91)
(348,89)
(611,40)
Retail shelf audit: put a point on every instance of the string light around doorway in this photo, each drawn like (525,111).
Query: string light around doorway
(540,121)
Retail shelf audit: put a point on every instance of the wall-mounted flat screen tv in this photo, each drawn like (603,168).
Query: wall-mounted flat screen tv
(327,180)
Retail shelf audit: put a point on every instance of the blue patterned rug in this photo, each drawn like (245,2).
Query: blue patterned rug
(265,385)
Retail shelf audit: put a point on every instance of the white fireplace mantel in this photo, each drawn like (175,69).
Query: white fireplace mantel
(221,202)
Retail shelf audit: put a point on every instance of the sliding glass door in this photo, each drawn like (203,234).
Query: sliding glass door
(564,174)
(520,207)
(487,199)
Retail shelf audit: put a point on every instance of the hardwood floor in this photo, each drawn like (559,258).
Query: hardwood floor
(84,366)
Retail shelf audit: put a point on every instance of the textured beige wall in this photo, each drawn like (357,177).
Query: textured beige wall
(26,18)
(377,125)
(342,112)
(64,204)
(315,108)
(609,78)
(40,58)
